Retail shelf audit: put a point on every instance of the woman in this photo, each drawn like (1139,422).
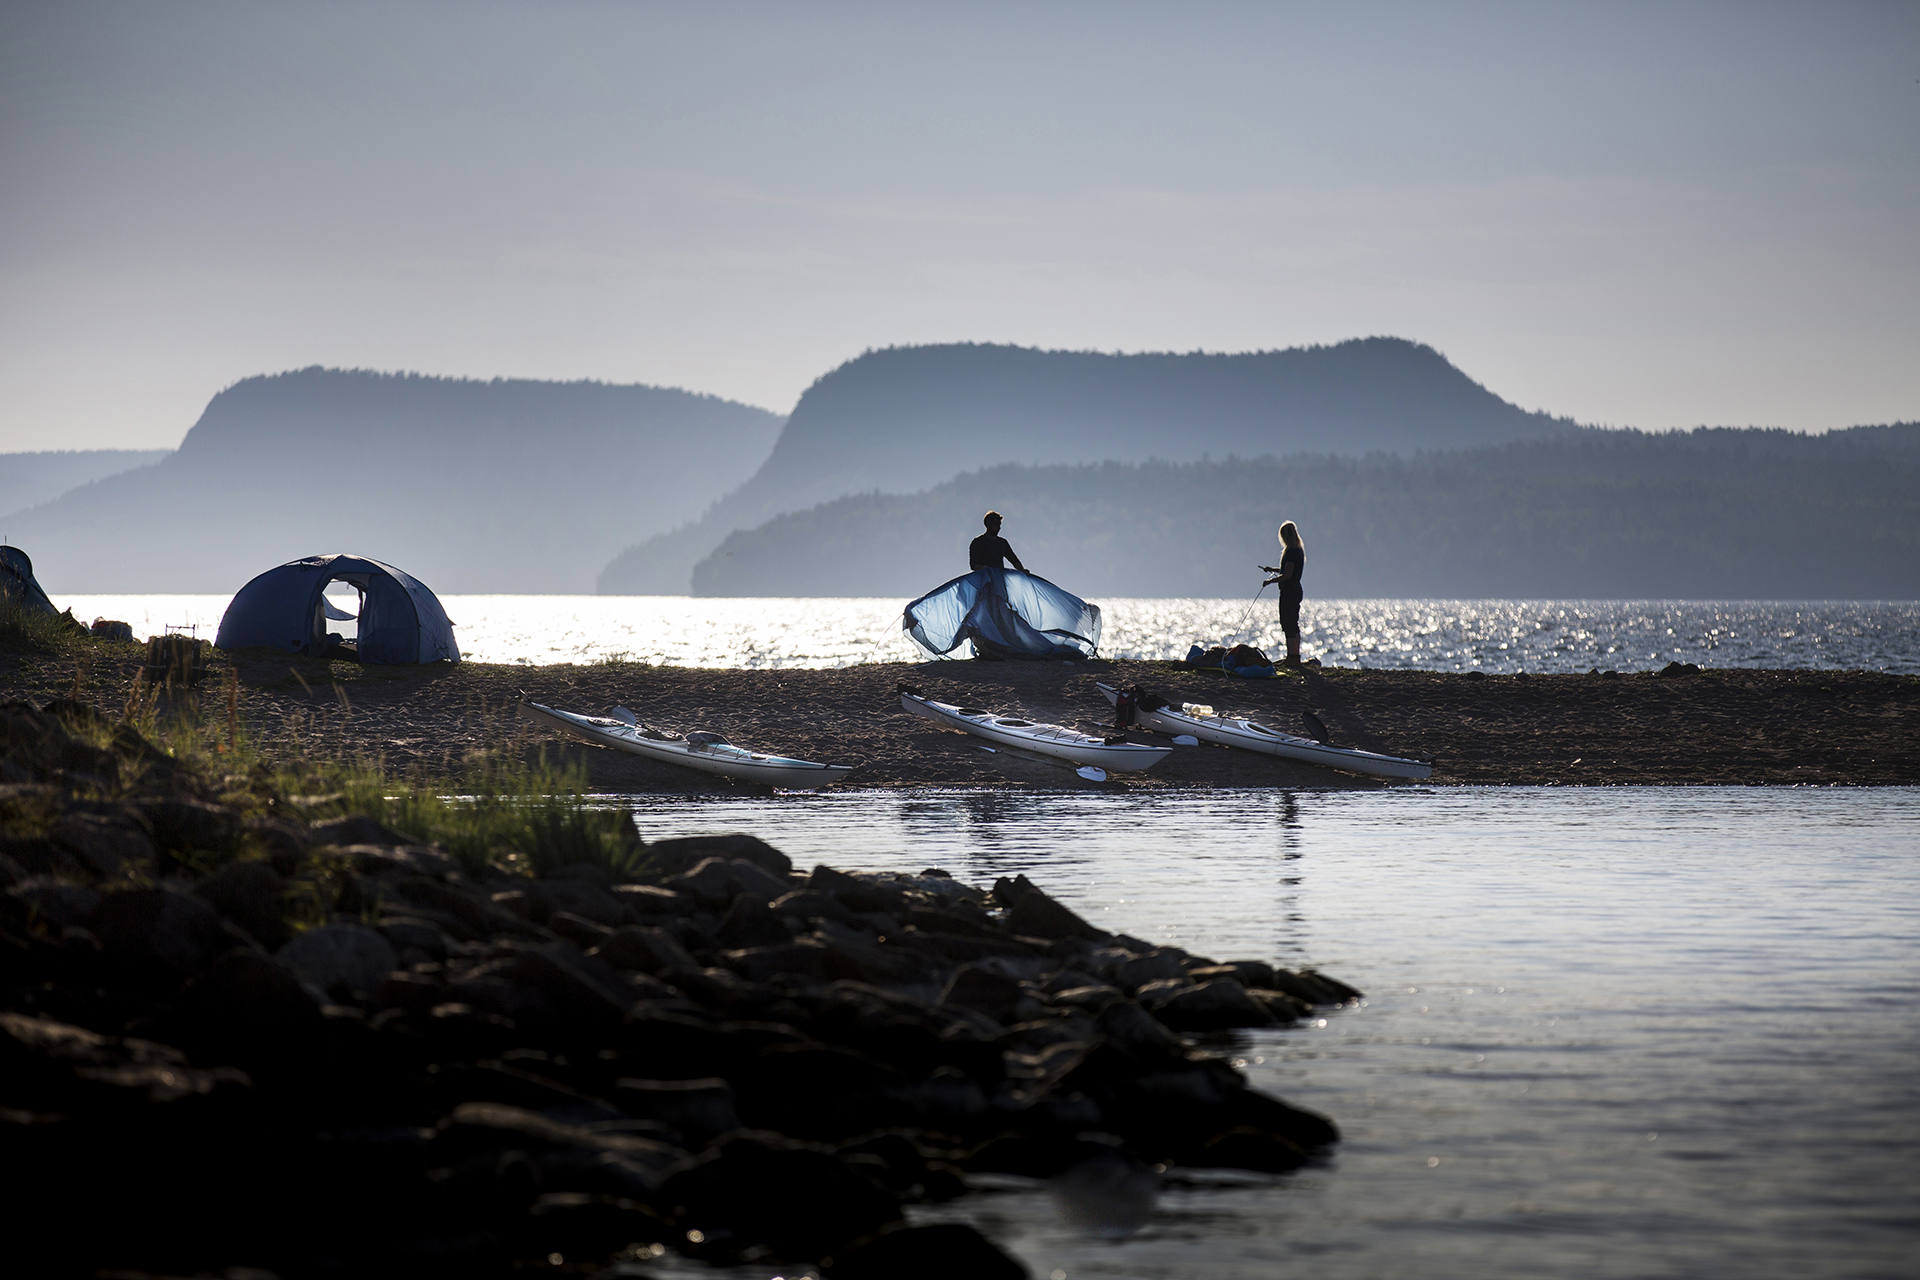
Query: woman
(1293,561)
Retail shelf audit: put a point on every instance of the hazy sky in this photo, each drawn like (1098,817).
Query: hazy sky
(1634,214)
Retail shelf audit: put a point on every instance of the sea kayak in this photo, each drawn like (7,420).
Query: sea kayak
(707,752)
(1046,739)
(1231,731)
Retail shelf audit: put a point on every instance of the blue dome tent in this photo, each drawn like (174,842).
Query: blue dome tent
(400,621)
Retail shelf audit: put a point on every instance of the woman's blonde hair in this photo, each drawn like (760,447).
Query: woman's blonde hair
(1294,541)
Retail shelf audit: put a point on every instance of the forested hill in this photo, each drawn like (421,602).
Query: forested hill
(471,486)
(29,479)
(907,418)
(1704,514)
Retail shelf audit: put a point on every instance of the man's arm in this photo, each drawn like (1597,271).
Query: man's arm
(1016,559)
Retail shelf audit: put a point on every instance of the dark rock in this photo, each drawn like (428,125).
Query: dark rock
(700,1109)
(646,900)
(1249,973)
(880,966)
(417,859)
(248,893)
(707,884)
(248,1011)
(551,1156)
(593,902)
(792,961)
(61,904)
(759,1189)
(360,830)
(342,958)
(480,916)
(183,827)
(1089,999)
(406,933)
(855,893)
(750,922)
(1136,1033)
(284,842)
(52,1067)
(1035,915)
(415,993)
(954,920)
(983,990)
(809,905)
(158,937)
(672,857)
(578,930)
(584,1228)
(1312,988)
(565,990)
(815,1091)
(644,949)
(1283,1007)
(1220,1005)
(1155,966)
(110,844)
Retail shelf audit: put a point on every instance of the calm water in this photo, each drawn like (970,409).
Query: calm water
(1619,1033)
(1437,635)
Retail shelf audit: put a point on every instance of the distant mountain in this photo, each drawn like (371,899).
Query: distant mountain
(29,479)
(908,418)
(1594,514)
(501,486)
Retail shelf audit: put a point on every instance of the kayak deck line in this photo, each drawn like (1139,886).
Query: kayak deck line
(1047,739)
(701,750)
(1236,731)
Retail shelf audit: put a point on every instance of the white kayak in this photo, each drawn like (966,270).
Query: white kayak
(707,752)
(1047,739)
(1230,731)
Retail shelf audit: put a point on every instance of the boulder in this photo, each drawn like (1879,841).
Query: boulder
(1220,1005)
(248,1011)
(750,922)
(646,900)
(1157,965)
(1035,915)
(940,1251)
(579,930)
(183,826)
(803,962)
(59,904)
(700,1110)
(671,857)
(156,936)
(248,893)
(344,957)
(644,949)
(359,829)
(110,844)
(857,893)
(983,990)
(760,1191)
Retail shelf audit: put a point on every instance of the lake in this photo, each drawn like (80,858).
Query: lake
(1607,1033)
(1432,635)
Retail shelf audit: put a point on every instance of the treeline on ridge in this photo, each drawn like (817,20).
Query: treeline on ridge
(1716,513)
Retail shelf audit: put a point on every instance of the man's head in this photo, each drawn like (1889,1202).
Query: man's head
(992,521)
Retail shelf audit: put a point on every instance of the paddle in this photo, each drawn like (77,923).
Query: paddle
(1316,728)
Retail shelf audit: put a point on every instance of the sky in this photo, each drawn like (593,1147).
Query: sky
(1650,215)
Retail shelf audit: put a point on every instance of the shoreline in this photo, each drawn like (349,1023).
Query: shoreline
(1719,726)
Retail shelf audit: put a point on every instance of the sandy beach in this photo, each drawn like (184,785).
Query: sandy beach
(1731,726)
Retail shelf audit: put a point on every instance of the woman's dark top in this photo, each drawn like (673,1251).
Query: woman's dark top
(1292,565)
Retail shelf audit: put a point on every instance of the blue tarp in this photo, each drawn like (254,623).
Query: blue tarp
(400,621)
(1006,614)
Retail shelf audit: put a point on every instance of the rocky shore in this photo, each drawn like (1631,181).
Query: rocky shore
(1726,726)
(240,1029)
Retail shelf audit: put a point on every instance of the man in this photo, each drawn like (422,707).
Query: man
(989,550)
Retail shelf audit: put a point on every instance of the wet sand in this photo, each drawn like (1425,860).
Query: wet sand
(1730,726)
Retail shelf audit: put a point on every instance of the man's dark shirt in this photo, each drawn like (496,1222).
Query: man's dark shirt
(989,551)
